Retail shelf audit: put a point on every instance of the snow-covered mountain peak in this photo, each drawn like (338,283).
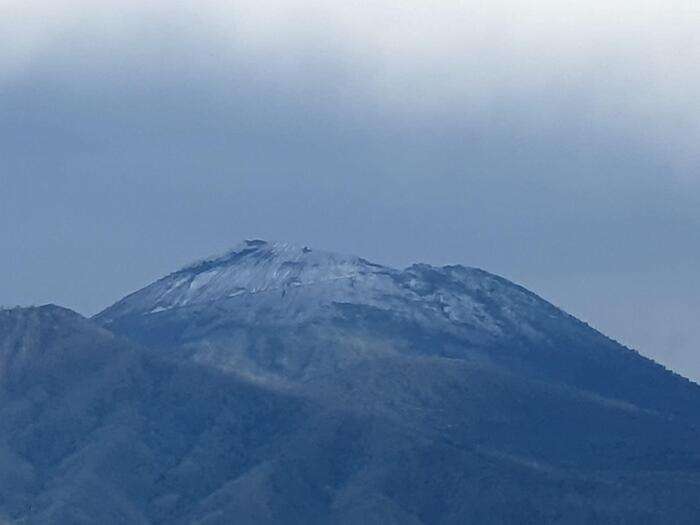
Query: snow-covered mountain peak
(257,265)
(287,284)
(251,267)
(274,257)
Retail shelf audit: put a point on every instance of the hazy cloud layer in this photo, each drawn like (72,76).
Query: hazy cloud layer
(555,144)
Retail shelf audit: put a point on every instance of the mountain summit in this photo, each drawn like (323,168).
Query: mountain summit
(251,267)
(288,284)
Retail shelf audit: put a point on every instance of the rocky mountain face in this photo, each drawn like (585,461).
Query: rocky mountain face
(282,384)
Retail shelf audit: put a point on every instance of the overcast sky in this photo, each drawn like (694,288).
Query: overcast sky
(555,143)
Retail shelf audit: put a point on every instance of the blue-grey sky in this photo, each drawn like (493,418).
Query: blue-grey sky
(554,143)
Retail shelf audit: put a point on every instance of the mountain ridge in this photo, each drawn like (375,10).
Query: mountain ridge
(427,395)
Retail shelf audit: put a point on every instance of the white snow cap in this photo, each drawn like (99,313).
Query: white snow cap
(255,266)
